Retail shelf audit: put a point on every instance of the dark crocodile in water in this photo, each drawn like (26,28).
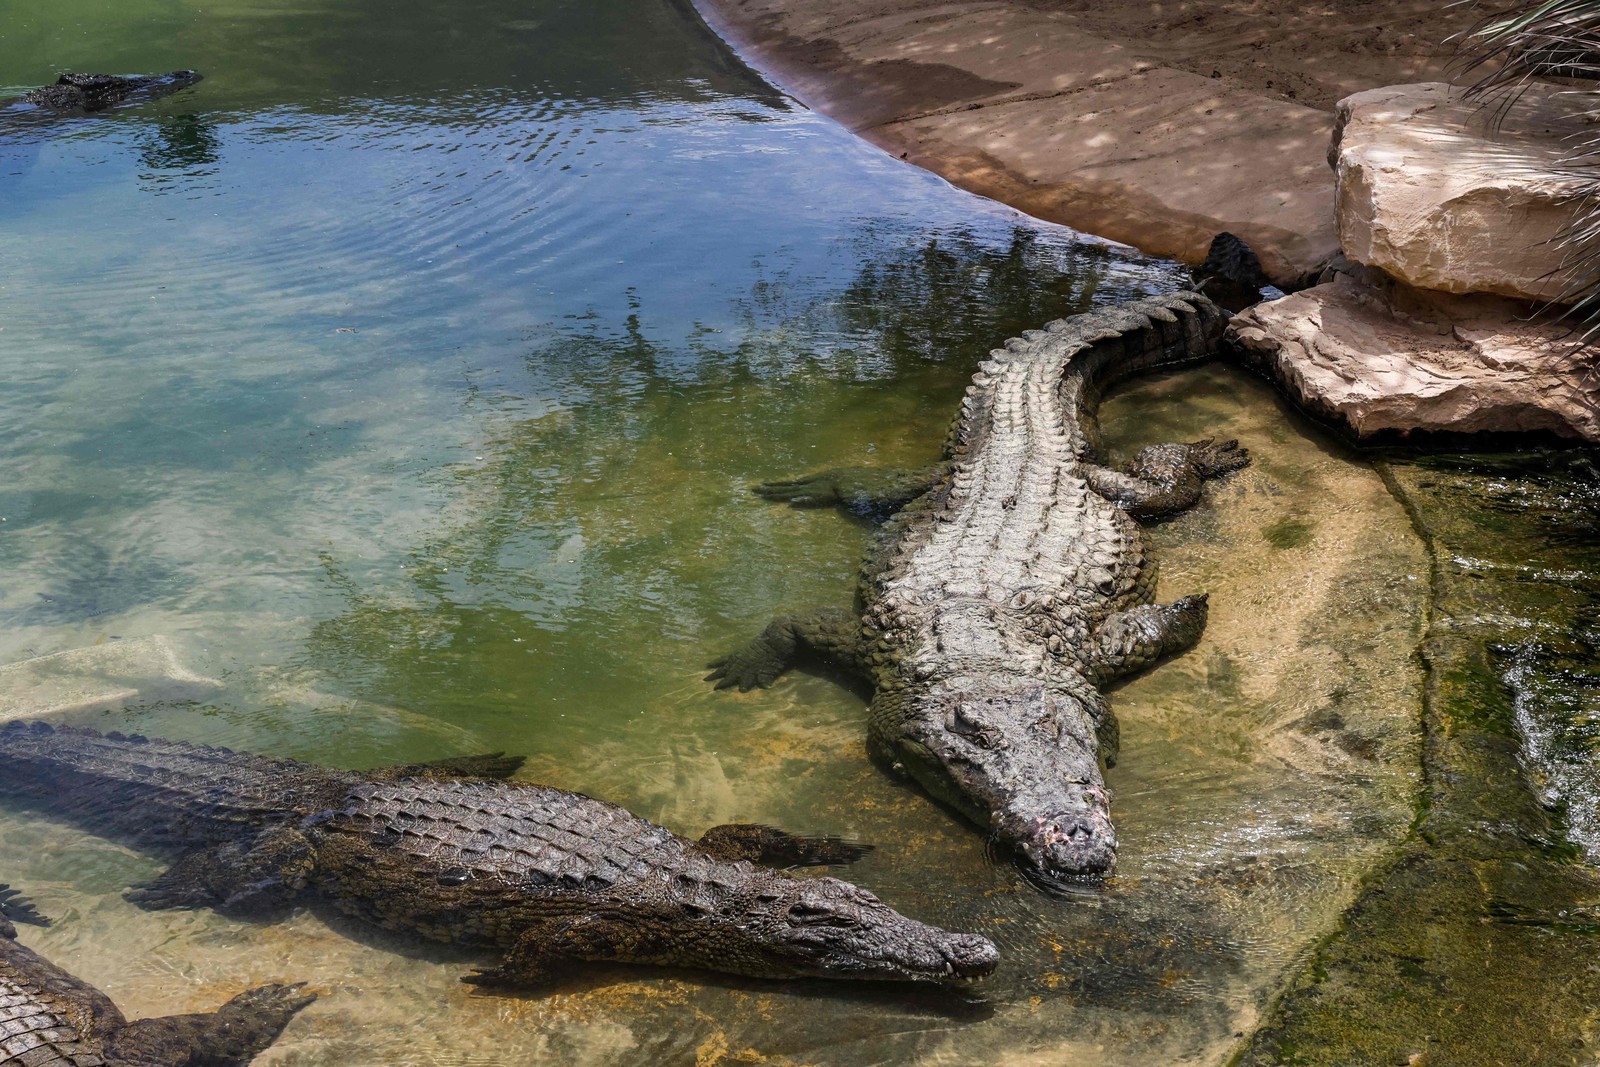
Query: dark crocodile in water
(453,852)
(88,93)
(1011,584)
(48,1018)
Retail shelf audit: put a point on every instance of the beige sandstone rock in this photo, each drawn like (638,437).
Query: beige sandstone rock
(1387,357)
(1430,188)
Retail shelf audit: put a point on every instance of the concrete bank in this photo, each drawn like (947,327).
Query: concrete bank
(1153,124)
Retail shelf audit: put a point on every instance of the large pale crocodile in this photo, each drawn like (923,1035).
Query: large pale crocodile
(1011,585)
(453,852)
(48,1018)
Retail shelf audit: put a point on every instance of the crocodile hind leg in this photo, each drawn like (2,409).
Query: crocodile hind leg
(231,1036)
(870,492)
(256,876)
(14,907)
(490,765)
(1163,479)
(1129,641)
(547,951)
(772,847)
(832,635)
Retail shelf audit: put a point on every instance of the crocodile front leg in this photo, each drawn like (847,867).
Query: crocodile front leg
(870,492)
(231,1036)
(254,876)
(771,847)
(1129,641)
(831,634)
(1163,479)
(547,951)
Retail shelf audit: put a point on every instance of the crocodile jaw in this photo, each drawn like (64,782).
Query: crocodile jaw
(827,928)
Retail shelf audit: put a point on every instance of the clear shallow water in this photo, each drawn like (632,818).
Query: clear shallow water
(405,377)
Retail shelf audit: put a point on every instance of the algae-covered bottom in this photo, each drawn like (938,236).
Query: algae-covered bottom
(1479,942)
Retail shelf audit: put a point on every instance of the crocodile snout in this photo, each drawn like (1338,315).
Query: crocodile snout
(1072,844)
(970,956)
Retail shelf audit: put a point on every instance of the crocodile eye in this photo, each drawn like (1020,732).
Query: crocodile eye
(454,876)
(806,915)
(963,723)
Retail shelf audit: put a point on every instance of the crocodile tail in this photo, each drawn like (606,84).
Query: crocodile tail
(1115,344)
(155,792)
(1091,352)
(1141,337)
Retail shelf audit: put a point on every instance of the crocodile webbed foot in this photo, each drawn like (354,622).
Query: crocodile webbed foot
(755,666)
(256,877)
(832,635)
(231,1036)
(1163,479)
(1127,642)
(547,951)
(1214,460)
(771,847)
(16,908)
(871,492)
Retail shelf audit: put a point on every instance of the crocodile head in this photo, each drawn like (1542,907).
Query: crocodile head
(826,928)
(1018,757)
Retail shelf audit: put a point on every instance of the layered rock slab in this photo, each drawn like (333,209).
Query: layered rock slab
(1460,195)
(1387,358)
(1025,106)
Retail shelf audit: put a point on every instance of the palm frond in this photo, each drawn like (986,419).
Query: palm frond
(1542,39)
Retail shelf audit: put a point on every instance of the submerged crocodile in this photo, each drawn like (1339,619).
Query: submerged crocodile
(86,93)
(48,1018)
(1010,585)
(453,852)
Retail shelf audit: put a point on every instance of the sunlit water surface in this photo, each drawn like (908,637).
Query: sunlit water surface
(394,393)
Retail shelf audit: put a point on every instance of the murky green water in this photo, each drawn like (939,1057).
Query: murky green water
(393,394)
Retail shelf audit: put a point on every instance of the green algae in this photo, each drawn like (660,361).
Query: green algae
(1288,533)
(1477,944)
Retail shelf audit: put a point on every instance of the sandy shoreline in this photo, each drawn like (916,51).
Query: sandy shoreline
(1155,124)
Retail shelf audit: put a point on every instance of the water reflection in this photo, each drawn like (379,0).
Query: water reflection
(183,142)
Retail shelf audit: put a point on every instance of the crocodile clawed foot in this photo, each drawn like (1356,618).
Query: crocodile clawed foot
(18,908)
(1213,460)
(488,978)
(833,852)
(276,998)
(743,672)
(158,897)
(506,979)
(814,490)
